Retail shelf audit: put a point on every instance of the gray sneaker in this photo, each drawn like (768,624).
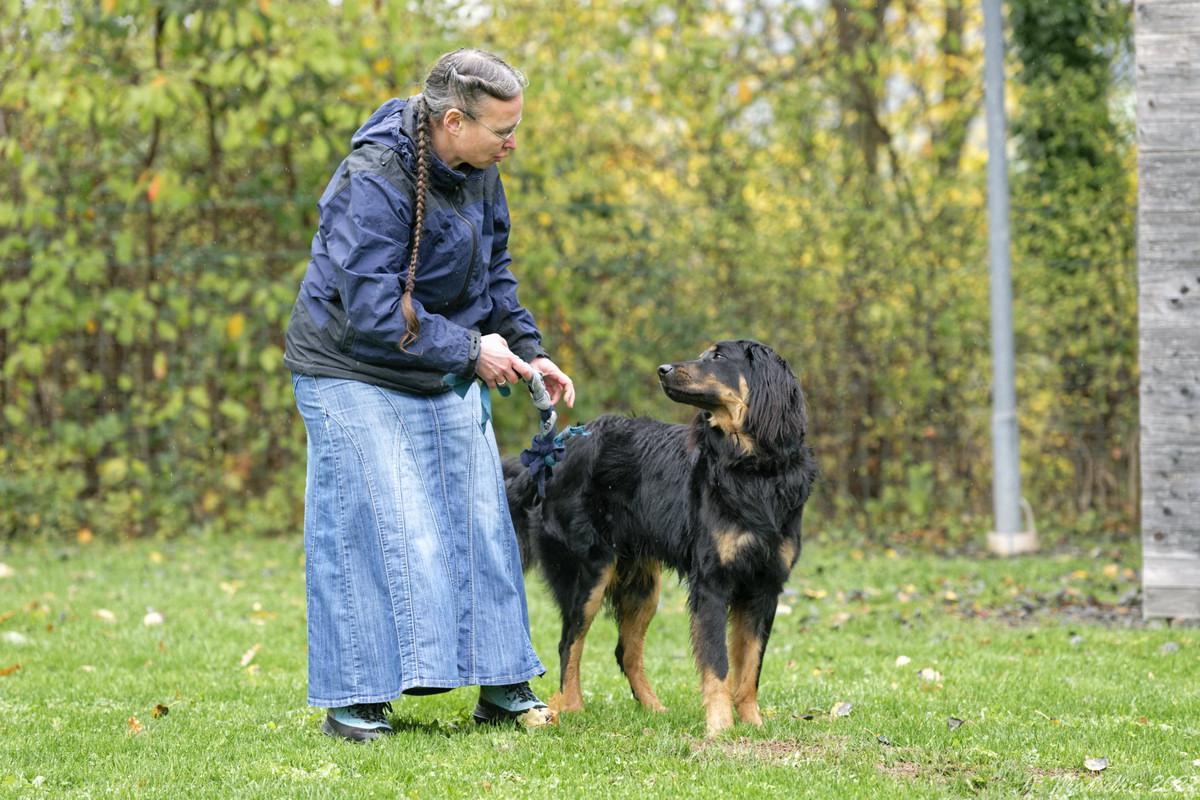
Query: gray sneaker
(505,703)
(362,722)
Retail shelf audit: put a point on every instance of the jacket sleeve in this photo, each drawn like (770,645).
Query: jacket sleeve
(508,318)
(367,228)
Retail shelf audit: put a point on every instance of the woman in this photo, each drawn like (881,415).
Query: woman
(413,577)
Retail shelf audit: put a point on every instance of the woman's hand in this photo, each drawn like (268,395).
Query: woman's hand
(497,364)
(557,382)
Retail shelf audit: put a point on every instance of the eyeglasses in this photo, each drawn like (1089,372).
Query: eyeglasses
(504,137)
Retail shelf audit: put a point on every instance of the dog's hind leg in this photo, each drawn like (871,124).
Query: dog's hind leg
(750,622)
(708,606)
(578,614)
(636,599)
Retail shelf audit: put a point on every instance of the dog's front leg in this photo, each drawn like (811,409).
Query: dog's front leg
(751,618)
(708,606)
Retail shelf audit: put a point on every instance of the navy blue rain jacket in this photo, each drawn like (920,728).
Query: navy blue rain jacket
(347,321)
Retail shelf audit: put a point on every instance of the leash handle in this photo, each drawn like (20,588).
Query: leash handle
(541,400)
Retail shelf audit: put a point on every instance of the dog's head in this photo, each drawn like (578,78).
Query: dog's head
(744,389)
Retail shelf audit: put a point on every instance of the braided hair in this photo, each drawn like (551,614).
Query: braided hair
(460,79)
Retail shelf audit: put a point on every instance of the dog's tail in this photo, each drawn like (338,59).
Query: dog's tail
(523,502)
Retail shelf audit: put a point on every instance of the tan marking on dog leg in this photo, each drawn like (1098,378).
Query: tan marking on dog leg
(745,653)
(633,627)
(571,696)
(730,541)
(717,703)
(787,554)
(714,692)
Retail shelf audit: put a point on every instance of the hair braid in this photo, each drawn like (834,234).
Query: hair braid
(412,323)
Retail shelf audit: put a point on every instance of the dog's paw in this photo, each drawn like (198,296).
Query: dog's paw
(559,703)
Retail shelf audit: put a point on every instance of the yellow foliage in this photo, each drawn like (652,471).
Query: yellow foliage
(235,326)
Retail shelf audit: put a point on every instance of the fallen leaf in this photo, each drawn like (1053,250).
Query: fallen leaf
(929,674)
(1170,647)
(902,660)
(88,668)
(161,710)
(954,723)
(153,618)
(9,670)
(538,718)
(14,637)
(134,727)
(84,535)
(803,716)
(6,571)
(1111,571)
(882,739)
(841,709)
(249,655)
(816,594)
(105,615)
(783,609)
(1096,764)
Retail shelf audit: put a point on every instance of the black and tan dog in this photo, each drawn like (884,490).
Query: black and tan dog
(719,501)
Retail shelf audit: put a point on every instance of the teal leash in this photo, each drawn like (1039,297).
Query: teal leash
(461,386)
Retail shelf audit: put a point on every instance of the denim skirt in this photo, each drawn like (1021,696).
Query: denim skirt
(413,575)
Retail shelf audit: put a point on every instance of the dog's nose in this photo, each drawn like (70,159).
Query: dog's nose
(664,370)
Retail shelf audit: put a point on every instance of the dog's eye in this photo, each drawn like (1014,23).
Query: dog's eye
(717,354)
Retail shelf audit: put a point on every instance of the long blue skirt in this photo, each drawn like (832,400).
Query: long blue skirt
(412,569)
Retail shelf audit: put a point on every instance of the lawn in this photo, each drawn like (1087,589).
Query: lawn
(177,669)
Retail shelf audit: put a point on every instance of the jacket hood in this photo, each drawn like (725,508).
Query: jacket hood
(383,127)
(394,125)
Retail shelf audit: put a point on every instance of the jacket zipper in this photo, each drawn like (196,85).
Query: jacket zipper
(454,304)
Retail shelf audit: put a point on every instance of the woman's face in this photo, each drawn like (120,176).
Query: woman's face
(488,137)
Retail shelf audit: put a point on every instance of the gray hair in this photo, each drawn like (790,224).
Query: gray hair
(461,79)
(458,80)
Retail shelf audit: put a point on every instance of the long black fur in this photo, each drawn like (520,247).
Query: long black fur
(719,501)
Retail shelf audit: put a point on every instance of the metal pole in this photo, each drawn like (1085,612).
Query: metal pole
(1006,480)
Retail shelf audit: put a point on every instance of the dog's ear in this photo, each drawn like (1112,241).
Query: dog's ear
(776,403)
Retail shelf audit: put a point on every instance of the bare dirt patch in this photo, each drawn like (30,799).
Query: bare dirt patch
(744,748)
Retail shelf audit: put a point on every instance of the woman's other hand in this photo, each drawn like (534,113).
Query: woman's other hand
(557,382)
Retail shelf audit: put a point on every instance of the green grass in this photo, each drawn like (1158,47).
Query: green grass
(1040,692)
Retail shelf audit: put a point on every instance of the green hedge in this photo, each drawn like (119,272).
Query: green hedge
(813,179)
